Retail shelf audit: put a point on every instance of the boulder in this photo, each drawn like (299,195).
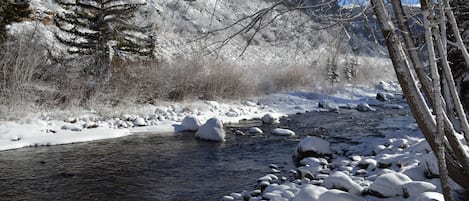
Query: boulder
(331,107)
(139,121)
(341,181)
(212,130)
(310,192)
(364,107)
(430,196)
(389,185)
(270,119)
(255,130)
(381,96)
(416,188)
(337,195)
(282,132)
(312,147)
(190,123)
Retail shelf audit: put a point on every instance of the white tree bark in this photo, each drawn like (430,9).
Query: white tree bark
(428,17)
(457,159)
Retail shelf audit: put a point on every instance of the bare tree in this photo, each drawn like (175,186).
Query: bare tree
(438,129)
(433,117)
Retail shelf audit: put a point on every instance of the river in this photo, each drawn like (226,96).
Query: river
(172,167)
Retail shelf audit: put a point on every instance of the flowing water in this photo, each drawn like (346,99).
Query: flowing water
(177,167)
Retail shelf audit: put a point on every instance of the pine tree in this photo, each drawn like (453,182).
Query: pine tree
(12,11)
(102,29)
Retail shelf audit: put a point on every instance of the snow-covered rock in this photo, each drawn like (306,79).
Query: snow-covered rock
(282,132)
(331,107)
(430,165)
(341,181)
(270,119)
(190,123)
(364,107)
(255,130)
(430,196)
(381,96)
(312,147)
(139,121)
(212,130)
(337,195)
(310,192)
(416,188)
(389,185)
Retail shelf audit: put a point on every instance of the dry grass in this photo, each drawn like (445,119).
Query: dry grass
(29,82)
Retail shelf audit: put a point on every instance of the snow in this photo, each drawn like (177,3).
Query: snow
(190,123)
(347,171)
(212,130)
(282,132)
(313,145)
(339,180)
(270,119)
(390,184)
(255,130)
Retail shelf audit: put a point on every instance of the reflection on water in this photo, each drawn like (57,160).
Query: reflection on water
(140,167)
(150,167)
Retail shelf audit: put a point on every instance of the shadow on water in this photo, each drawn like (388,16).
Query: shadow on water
(179,167)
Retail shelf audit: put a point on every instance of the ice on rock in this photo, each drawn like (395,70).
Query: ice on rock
(270,119)
(416,188)
(430,196)
(309,192)
(255,130)
(212,130)
(341,181)
(389,185)
(282,132)
(312,147)
(190,123)
(337,195)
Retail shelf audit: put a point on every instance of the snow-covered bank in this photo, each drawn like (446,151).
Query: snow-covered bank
(43,129)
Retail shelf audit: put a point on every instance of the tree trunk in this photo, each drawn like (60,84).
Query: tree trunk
(457,170)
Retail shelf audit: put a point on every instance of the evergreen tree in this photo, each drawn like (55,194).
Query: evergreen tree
(12,11)
(102,29)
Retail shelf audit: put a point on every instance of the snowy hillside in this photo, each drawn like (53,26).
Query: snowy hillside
(179,27)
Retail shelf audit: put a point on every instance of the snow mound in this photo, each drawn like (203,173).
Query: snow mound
(312,147)
(282,132)
(212,130)
(190,123)
(337,195)
(341,181)
(389,185)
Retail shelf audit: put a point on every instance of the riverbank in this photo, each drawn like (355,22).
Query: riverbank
(46,129)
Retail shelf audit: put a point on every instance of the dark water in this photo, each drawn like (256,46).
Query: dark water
(151,167)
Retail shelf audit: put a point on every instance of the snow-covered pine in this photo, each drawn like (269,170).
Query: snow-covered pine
(102,29)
